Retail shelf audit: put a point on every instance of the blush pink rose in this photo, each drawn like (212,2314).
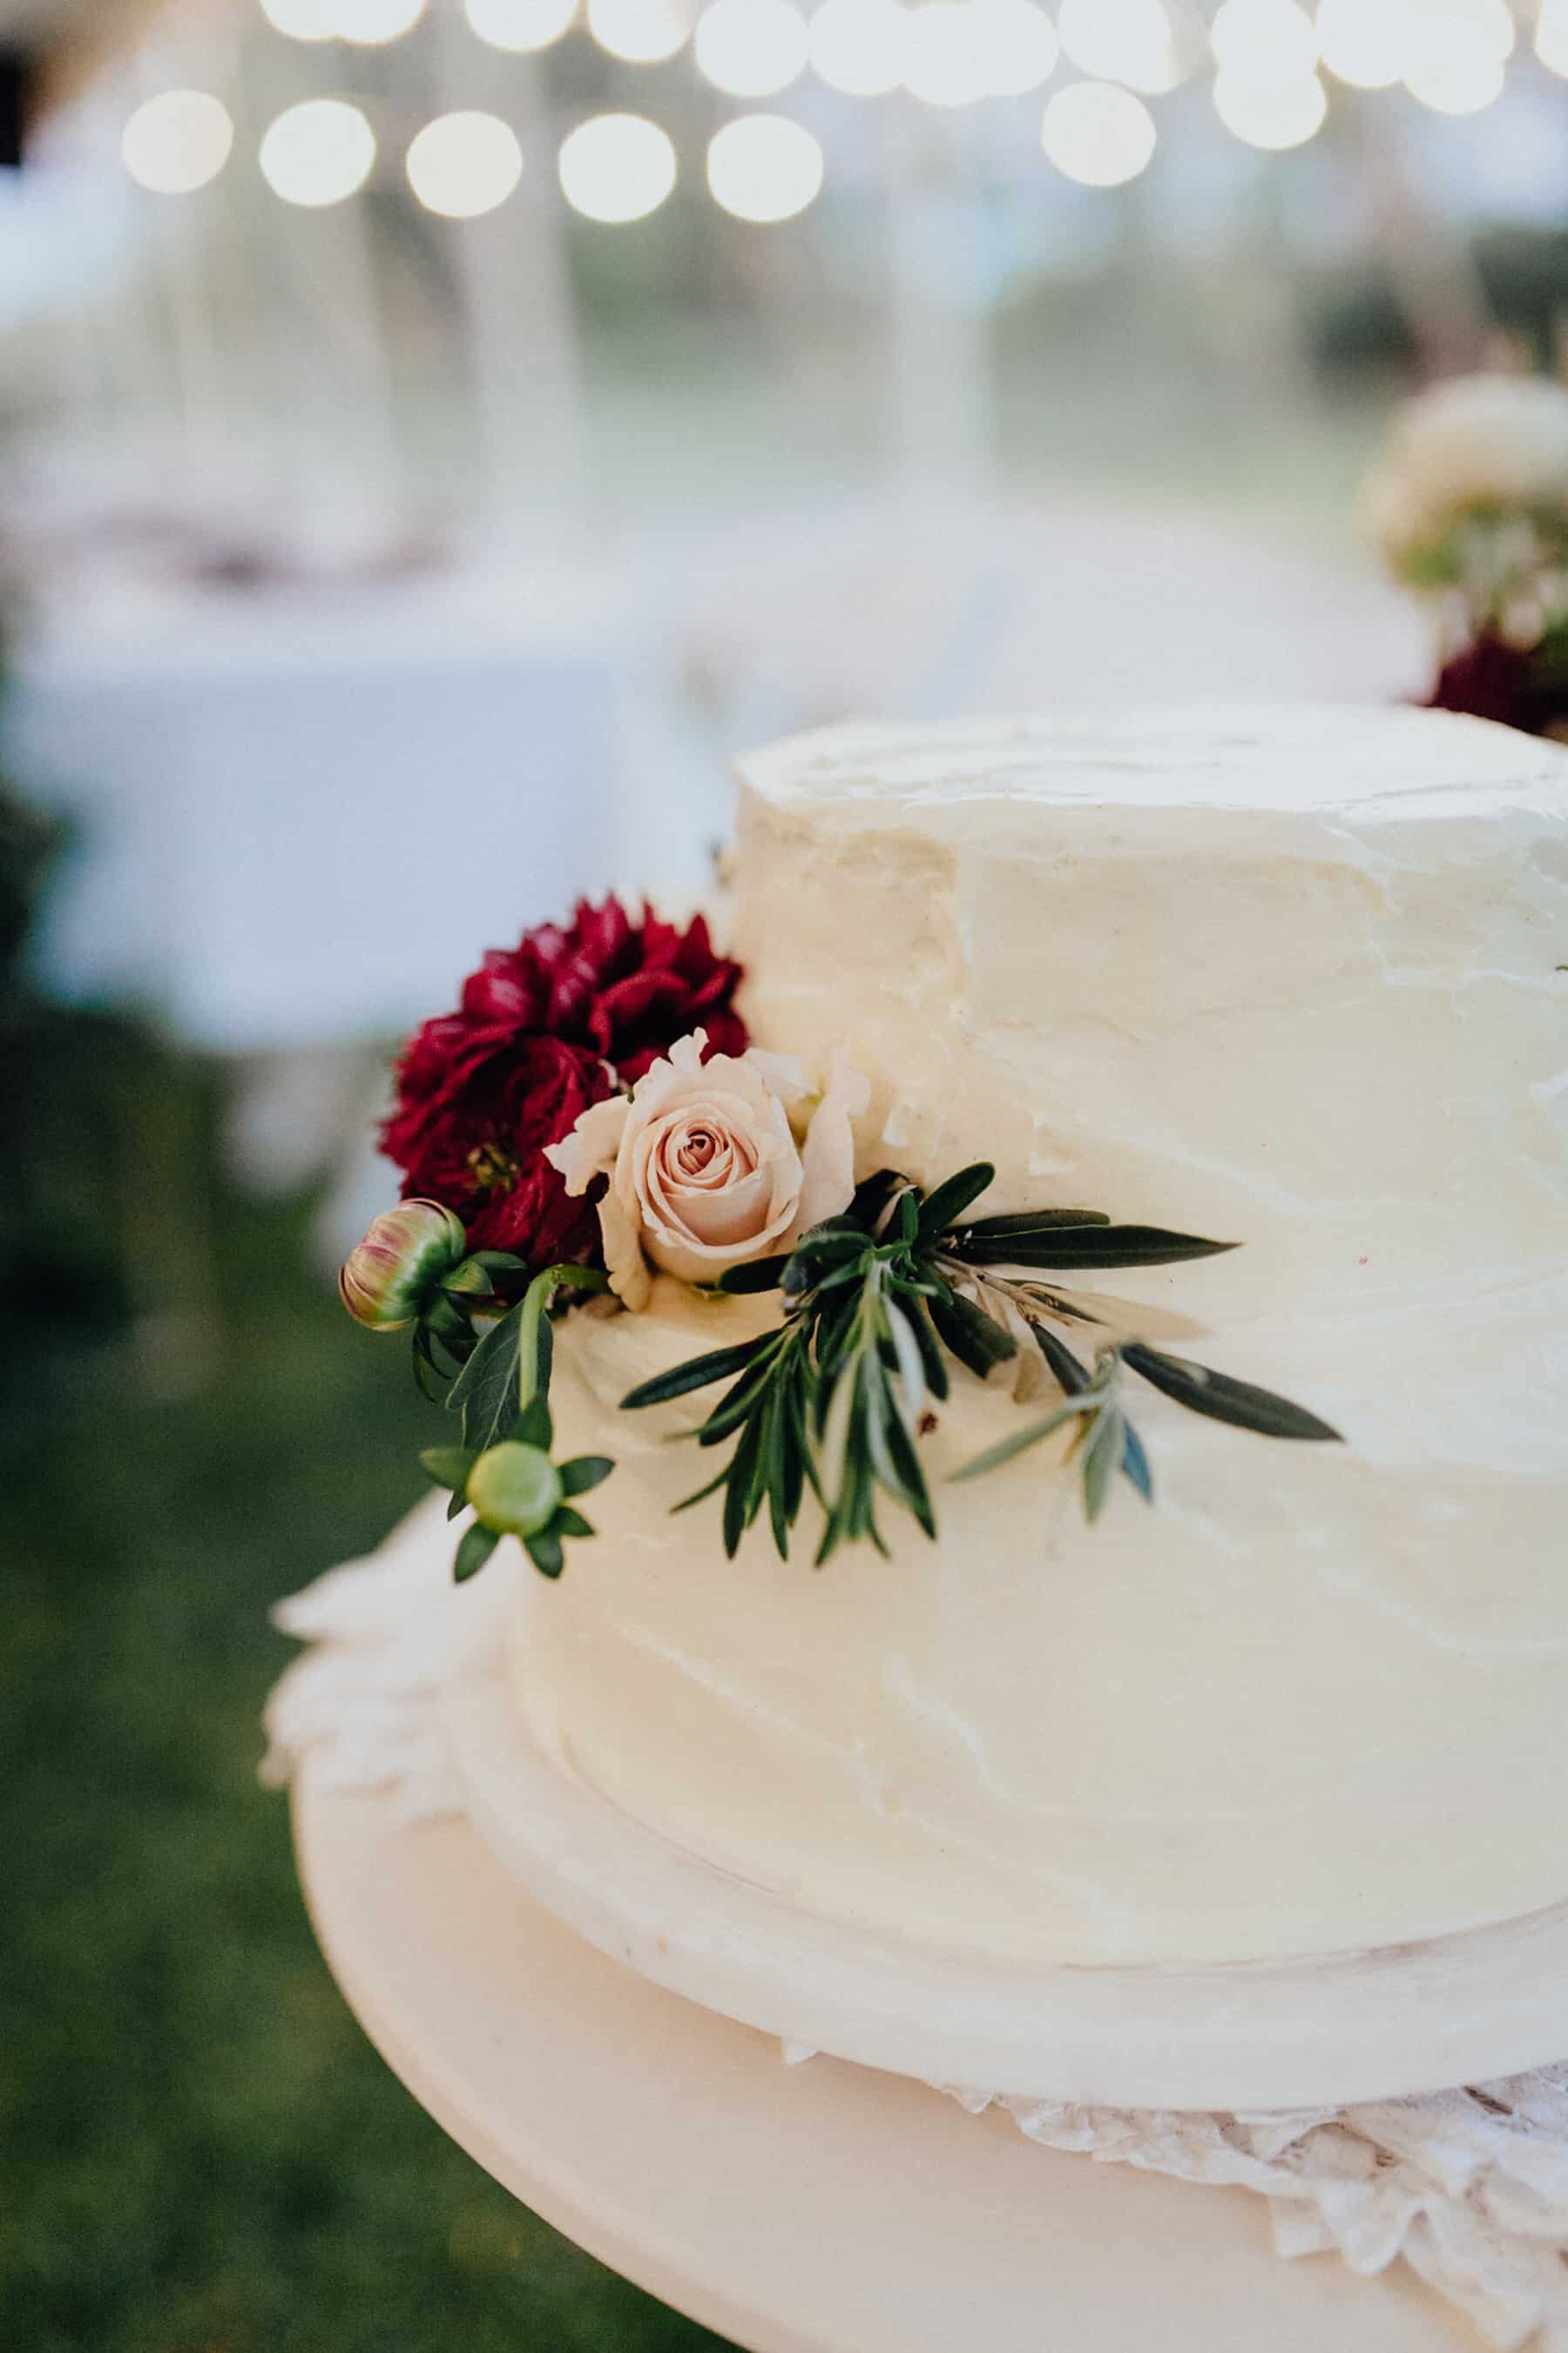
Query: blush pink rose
(703,1165)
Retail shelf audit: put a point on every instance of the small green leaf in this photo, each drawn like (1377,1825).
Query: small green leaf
(583,1471)
(473,1549)
(700,1494)
(534,1425)
(449,1465)
(697,1373)
(975,1338)
(1070,1376)
(1070,1249)
(1135,1462)
(742,1463)
(1224,1399)
(1103,1459)
(925,1339)
(872,1198)
(1027,1221)
(757,1274)
(568,1523)
(942,1208)
(456,1504)
(1006,1448)
(738,1403)
(543,1550)
(486,1391)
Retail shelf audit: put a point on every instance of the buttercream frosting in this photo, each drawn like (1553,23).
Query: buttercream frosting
(1292,977)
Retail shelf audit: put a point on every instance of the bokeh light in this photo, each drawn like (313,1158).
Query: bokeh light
(1016,44)
(178,142)
(749,48)
(617,167)
(941,63)
(857,45)
(763,168)
(1367,43)
(318,152)
(464,164)
(1132,41)
(644,31)
(520,25)
(1456,65)
(301,20)
(372,22)
(1270,115)
(1097,133)
(1269,43)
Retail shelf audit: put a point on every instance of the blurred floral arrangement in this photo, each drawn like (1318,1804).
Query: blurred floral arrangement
(1468,506)
(592,1115)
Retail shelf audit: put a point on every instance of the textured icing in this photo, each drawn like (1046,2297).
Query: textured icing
(1289,976)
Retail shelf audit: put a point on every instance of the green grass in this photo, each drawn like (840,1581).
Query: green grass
(202,2154)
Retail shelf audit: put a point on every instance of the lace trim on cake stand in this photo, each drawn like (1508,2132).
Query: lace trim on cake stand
(1468,2187)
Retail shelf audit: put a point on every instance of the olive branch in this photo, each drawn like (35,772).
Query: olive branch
(875,1302)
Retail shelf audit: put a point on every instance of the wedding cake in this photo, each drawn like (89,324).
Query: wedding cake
(1296,978)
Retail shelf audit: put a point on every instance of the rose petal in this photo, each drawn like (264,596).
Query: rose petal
(591,1148)
(828,1155)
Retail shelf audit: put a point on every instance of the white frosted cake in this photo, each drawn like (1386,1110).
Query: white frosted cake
(1294,977)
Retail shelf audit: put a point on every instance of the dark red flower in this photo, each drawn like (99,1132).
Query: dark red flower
(1491,680)
(482,1091)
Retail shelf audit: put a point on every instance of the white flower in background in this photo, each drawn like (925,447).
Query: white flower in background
(704,1168)
(1473,456)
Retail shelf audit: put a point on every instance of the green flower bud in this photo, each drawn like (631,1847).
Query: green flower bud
(387,1279)
(514,1489)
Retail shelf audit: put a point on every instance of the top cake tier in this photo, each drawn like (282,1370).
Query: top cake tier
(1293,976)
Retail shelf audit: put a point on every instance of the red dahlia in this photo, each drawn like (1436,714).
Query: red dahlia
(482,1091)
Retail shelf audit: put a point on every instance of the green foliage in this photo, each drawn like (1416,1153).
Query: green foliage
(502,1390)
(834,1399)
(200,2148)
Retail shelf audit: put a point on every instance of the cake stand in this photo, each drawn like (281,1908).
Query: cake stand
(1330,2031)
(818,2209)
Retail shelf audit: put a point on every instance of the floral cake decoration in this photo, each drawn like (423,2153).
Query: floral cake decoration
(592,1114)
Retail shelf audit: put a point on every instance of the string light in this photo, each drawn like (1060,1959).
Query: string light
(1015,44)
(1457,79)
(1269,115)
(750,48)
(941,64)
(857,45)
(1267,43)
(763,168)
(1367,43)
(617,167)
(643,32)
(371,23)
(1097,133)
(300,20)
(464,164)
(318,152)
(178,141)
(1456,66)
(1130,41)
(520,25)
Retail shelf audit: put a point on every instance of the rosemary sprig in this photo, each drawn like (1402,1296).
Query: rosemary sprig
(875,1302)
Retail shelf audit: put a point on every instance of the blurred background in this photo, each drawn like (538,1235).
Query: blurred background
(433,439)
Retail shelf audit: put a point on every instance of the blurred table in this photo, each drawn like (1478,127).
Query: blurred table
(814,2209)
(302,811)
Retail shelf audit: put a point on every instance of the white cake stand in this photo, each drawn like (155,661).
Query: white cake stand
(1320,2033)
(819,2209)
